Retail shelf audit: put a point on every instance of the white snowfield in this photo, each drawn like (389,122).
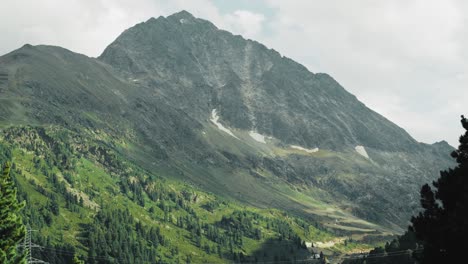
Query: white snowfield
(257,137)
(362,151)
(214,118)
(305,149)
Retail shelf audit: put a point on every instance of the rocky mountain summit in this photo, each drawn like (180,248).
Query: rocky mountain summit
(192,102)
(251,86)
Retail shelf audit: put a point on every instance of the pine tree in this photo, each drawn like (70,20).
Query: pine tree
(12,229)
(77,260)
(442,226)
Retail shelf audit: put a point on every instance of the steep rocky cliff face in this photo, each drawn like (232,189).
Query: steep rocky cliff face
(180,97)
(199,67)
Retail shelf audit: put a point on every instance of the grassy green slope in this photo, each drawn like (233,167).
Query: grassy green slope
(71,183)
(242,169)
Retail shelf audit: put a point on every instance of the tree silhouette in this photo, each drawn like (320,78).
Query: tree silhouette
(12,229)
(442,226)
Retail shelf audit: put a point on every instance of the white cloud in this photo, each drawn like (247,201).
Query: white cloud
(88,26)
(246,23)
(85,26)
(404,59)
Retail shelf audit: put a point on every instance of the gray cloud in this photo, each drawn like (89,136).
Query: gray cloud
(404,59)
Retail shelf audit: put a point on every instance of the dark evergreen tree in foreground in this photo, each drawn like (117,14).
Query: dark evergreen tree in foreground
(12,229)
(443,226)
(439,233)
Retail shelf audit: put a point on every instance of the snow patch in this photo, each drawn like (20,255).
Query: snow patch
(362,151)
(183,21)
(257,137)
(214,118)
(305,149)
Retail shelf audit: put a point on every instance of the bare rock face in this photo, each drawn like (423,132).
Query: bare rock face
(200,67)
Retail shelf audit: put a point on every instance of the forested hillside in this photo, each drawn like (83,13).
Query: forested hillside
(85,200)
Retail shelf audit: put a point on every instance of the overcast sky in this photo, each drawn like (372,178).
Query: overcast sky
(406,59)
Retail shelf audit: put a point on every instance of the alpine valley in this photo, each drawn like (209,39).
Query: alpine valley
(185,143)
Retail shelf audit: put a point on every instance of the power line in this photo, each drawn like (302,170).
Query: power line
(70,253)
(383,255)
(28,245)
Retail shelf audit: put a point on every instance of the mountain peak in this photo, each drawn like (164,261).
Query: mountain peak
(27,46)
(234,74)
(182,15)
(443,144)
